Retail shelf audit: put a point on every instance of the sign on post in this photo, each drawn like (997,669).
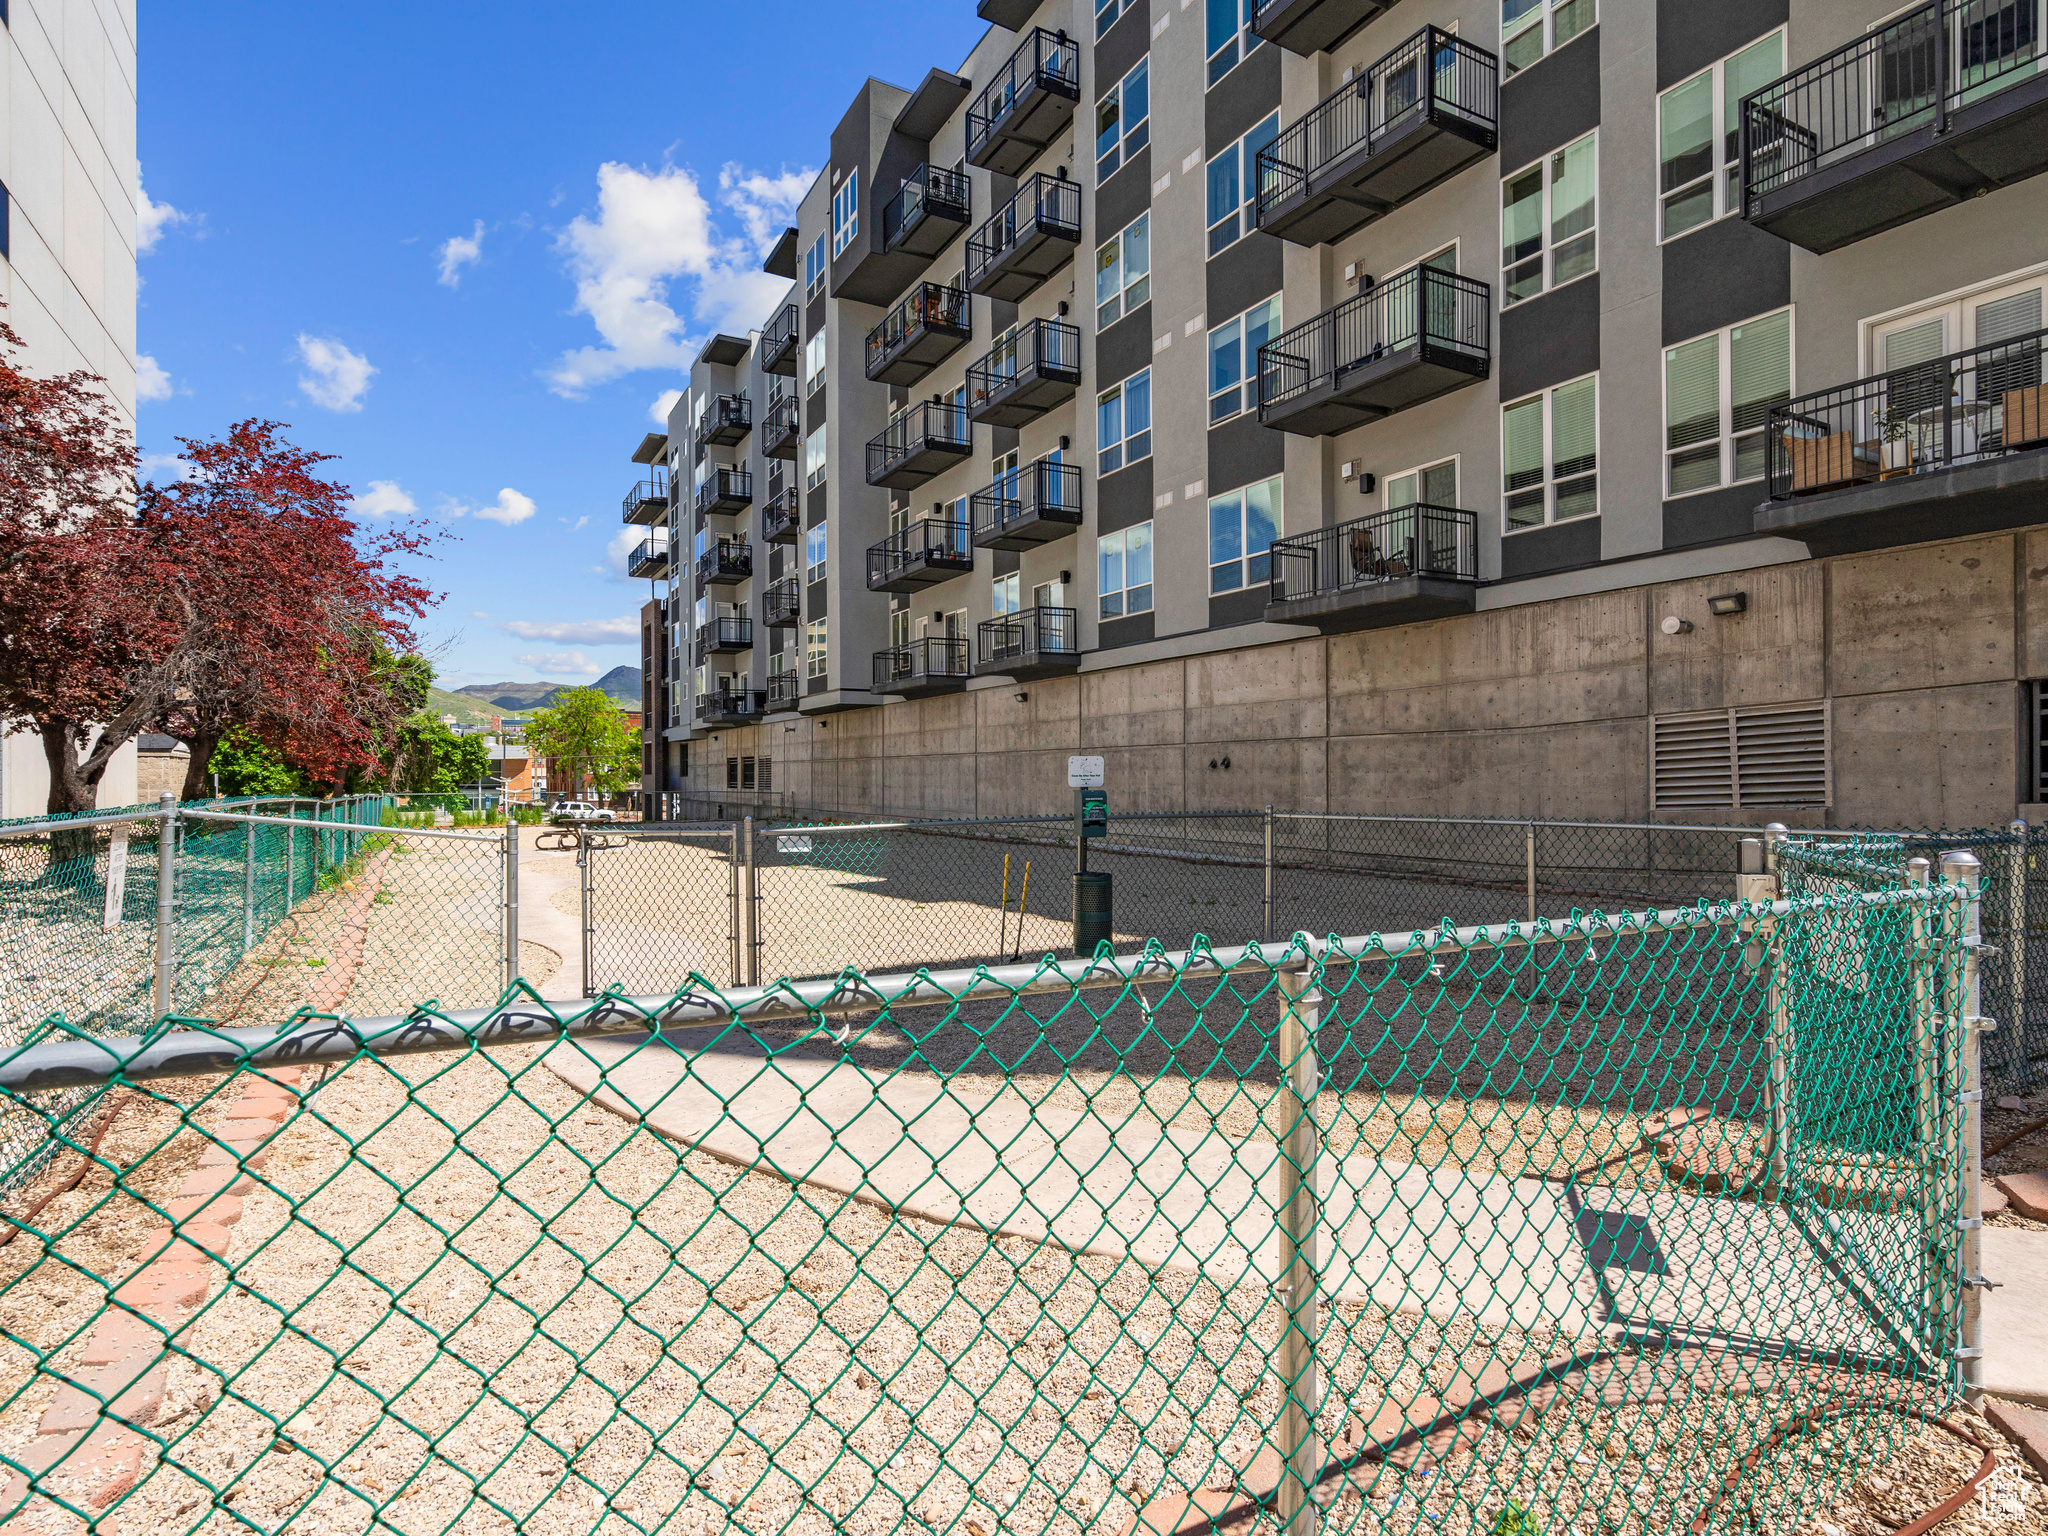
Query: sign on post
(1084,773)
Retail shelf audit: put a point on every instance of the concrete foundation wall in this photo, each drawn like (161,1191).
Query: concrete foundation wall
(1538,710)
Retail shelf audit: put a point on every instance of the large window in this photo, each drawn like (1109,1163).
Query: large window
(1123,423)
(1231,38)
(1242,526)
(814,648)
(1123,563)
(814,268)
(814,552)
(1234,359)
(1699,175)
(1004,593)
(1718,393)
(1430,485)
(846,211)
(1107,11)
(1233,186)
(1531,28)
(1548,224)
(814,362)
(1550,455)
(814,460)
(1123,271)
(1123,120)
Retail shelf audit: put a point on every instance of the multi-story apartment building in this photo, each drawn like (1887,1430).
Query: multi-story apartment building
(1521,407)
(68,189)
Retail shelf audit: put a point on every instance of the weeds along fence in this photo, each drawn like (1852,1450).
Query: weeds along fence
(742,902)
(1612,1224)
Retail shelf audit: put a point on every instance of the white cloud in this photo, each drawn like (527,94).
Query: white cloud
(652,229)
(622,544)
(479,614)
(580,522)
(338,379)
(152,219)
(384,498)
(663,404)
(163,466)
(622,631)
(510,508)
(560,663)
(459,251)
(151,382)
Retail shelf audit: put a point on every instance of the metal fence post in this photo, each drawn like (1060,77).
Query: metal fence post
(511,893)
(164,997)
(1267,930)
(1530,859)
(750,897)
(1926,990)
(249,883)
(583,884)
(1300,1214)
(1778,1008)
(291,851)
(1963,868)
(732,869)
(2018,1055)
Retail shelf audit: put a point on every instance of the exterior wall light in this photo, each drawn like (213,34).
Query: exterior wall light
(1727,603)
(1674,625)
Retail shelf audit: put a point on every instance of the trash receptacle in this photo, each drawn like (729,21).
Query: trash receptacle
(1091,911)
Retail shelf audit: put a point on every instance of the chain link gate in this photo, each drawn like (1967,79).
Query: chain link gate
(660,905)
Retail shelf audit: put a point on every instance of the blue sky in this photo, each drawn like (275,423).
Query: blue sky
(467,247)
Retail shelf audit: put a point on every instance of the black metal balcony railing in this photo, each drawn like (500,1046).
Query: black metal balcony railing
(1032,637)
(784,689)
(1026,374)
(724,491)
(1025,102)
(649,558)
(782,605)
(933,322)
(779,343)
(724,636)
(1919,70)
(1438,317)
(1035,230)
(647,501)
(730,703)
(1031,505)
(928,210)
(1434,75)
(1941,414)
(781,518)
(726,561)
(941,546)
(932,664)
(922,440)
(727,419)
(1367,552)
(781,428)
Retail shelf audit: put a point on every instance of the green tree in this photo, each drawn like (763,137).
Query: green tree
(248,766)
(430,758)
(589,739)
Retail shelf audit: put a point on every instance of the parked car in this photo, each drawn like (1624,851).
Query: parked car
(571,813)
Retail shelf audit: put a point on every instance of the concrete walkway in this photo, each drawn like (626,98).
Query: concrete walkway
(2016,1315)
(541,876)
(1449,1242)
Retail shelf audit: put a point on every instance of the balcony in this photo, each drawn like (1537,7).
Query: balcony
(1026,105)
(934,664)
(1037,642)
(927,213)
(724,637)
(1395,567)
(782,518)
(647,503)
(731,706)
(781,428)
(1312,26)
(1941,104)
(782,605)
(727,420)
(727,563)
(784,690)
(1420,334)
(929,551)
(929,326)
(649,558)
(779,344)
(1031,237)
(1029,506)
(1422,114)
(1953,446)
(925,439)
(725,491)
(1026,375)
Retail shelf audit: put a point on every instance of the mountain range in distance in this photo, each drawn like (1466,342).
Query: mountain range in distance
(621,684)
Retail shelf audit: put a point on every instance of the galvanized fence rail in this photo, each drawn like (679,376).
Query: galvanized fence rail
(1504,1228)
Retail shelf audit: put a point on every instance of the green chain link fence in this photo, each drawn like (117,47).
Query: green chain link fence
(1535,1227)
